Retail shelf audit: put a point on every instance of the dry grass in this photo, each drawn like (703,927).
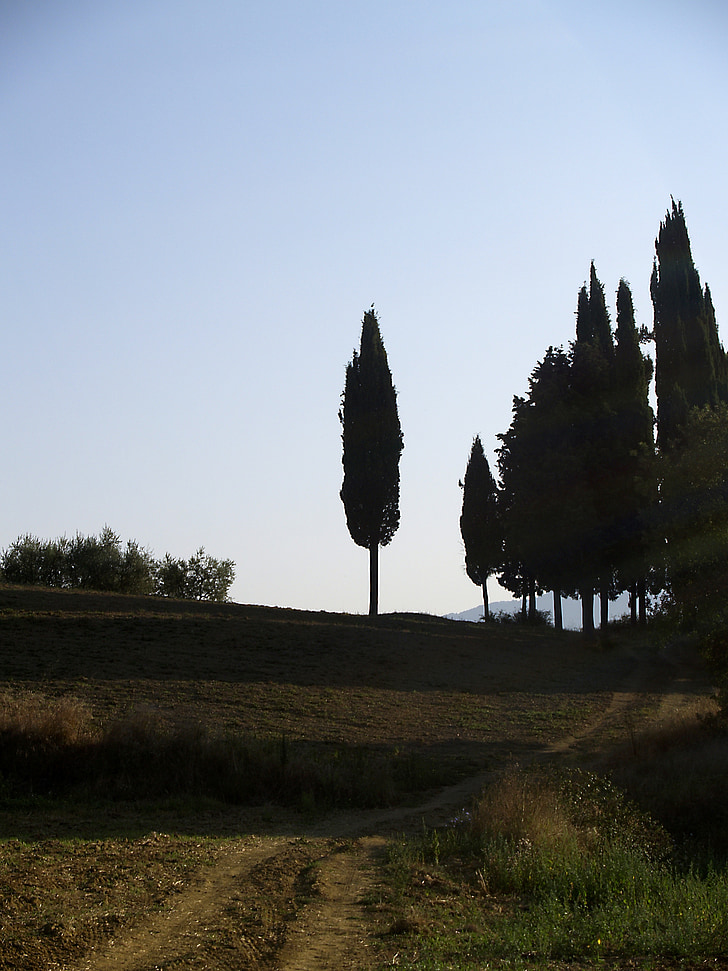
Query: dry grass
(43,720)
(524,809)
(54,747)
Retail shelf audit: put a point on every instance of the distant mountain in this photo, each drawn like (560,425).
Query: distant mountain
(571,609)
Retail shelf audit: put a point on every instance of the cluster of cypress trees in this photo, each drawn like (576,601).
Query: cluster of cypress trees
(585,502)
(588,501)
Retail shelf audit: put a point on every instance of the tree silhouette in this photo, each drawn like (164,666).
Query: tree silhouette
(592,377)
(633,452)
(372,444)
(480,524)
(690,364)
(538,471)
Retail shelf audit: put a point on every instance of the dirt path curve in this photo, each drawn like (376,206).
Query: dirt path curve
(297,902)
(167,938)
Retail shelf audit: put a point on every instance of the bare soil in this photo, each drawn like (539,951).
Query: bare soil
(138,887)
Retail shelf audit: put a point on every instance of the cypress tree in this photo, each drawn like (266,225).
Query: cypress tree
(372,445)
(690,369)
(633,452)
(592,384)
(601,327)
(718,355)
(536,464)
(480,525)
(694,493)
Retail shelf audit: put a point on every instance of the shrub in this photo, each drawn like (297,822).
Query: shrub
(102,563)
(540,618)
(202,577)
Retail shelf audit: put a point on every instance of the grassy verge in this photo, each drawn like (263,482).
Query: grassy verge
(549,869)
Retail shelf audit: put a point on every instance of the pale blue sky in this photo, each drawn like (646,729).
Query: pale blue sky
(201,199)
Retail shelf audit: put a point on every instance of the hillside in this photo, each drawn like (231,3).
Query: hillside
(405,680)
(192,882)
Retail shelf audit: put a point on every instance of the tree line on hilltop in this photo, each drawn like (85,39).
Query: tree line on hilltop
(587,499)
(102,563)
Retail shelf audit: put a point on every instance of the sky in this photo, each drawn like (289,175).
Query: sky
(200,200)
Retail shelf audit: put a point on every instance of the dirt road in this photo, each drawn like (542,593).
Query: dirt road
(306,898)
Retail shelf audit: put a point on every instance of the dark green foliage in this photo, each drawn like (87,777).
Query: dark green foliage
(372,441)
(694,494)
(691,375)
(202,577)
(30,560)
(592,382)
(614,442)
(84,562)
(694,523)
(537,470)
(600,324)
(372,444)
(718,355)
(575,465)
(633,455)
(690,361)
(480,524)
(101,563)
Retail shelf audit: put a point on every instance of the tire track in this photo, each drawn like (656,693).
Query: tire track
(169,937)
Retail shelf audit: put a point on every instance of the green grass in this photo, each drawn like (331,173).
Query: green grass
(550,870)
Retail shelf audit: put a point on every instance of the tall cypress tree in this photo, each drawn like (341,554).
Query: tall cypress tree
(517,475)
(690,368)
(372,445)
(480,525)
(599,316)
(592,385)
(633,455)
(536,463)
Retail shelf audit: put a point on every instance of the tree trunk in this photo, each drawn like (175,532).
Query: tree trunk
(373,579)
(532,600)
(604,605)
(558,615)
(587,610)
(642,598)
(633,604)
(523,603)
(486,609)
